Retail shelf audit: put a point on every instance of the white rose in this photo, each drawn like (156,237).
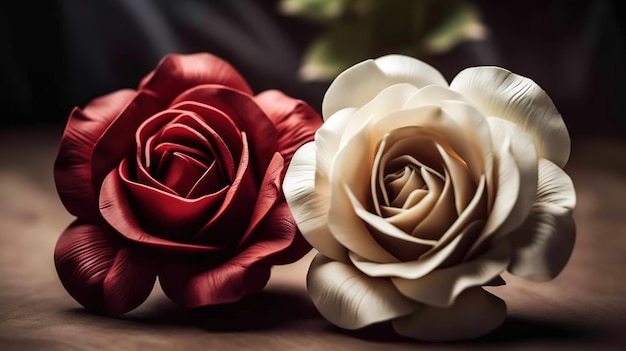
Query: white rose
(417,194)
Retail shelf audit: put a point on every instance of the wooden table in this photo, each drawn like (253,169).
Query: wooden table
(583,309)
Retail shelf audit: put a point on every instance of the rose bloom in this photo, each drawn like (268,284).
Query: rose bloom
(179,179)
(417,194)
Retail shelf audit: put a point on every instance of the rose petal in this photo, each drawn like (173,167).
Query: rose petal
(269,193)
(360,83)
(118,212)
(327,141)
(163,214)
(194,285)
(407,269)
(210,182)
(436,95)
(350,299)
(480,140)
(386,233)
(183,131)
(440,217)
(217,121)
(177,73)
(309,204)
(182,172)
(441,287)
(246,115)
(474,314)
(504,217)
(351,163)
(544,242)
(500,93)
(555,186)
(231,220)
(99,272)
(72,168)
(475,211)
(118,141)
(295,121)
(437,124)
(388,100)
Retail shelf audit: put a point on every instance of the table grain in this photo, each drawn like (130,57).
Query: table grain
(584,308)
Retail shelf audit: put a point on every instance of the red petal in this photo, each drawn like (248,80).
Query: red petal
(72,169)
(177,73)
(295,121)
(269,193)
(182,131)
(218,121)
(231,220)
(190,285)
(99,272)
(182,173)
(280,237)
(118,141)
(246,114)
(118,212)
(195,285)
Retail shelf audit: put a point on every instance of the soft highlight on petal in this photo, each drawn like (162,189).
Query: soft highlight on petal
(352,300)
(309,205)
(500,93)
(360,83)
(176,73)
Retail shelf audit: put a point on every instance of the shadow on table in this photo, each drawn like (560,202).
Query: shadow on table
(266,310)
(514,330)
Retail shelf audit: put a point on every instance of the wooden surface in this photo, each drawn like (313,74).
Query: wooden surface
(583,309)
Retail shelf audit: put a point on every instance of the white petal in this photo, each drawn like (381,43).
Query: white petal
(470,119)
(555,186)
(436,124)
(390,99)
(409,269)
(354,87)
(474,314)
(525,155)
(350,299)
(474,211)
(517,180)
(327,140)
(352,167)
(440,218)
(500,93)
(385,228)
(406,69)
(408,220)
(360,83)
(462,185)
(435,95)
(442,286)
(543,244)
(308,205)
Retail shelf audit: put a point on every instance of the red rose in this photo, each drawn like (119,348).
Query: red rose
(179,179)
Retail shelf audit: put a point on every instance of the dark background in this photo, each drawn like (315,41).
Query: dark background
(59,54)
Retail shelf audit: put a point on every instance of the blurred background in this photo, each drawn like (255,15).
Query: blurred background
(57,54)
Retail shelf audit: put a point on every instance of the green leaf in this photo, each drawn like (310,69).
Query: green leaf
(461,24)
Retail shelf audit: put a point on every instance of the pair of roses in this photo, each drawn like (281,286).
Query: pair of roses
(415,193)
